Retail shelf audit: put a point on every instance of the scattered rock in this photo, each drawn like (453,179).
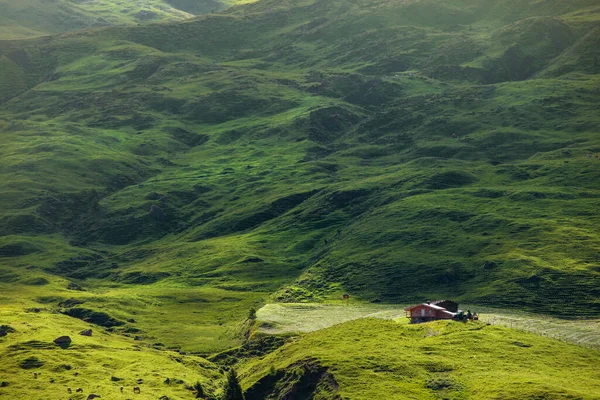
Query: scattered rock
(5,330)
(4,384)
(115,379)
(137,338)
(86,332)
(131,320)
(92,396)
(74,286)
(63,341)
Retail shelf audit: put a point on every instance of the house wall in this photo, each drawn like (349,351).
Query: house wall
(417,313)
(442,315)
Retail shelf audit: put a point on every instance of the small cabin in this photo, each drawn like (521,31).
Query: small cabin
(429,312)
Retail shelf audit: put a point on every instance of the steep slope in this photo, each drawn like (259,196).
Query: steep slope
(299,150)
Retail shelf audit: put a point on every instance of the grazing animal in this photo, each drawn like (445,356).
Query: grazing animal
(136,389)
(69,390)
(35,375)
(121,389)
(79,390)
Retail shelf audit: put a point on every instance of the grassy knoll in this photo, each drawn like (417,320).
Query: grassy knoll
(290,318)
(373,358)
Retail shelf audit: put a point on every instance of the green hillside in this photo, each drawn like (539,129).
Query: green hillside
(180,174)
(98,364)
(30,18)
(428,361)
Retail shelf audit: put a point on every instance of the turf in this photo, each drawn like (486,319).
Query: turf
(100,364)
(373,358)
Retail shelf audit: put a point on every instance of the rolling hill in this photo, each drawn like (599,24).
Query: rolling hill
(180,174)
(30,18)
(370,358)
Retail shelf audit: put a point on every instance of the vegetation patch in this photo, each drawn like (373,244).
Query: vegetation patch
(93,317)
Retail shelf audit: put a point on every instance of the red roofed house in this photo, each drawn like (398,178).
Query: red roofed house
(429,311)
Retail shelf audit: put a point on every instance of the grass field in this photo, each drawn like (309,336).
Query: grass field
(99,364)
(286,318)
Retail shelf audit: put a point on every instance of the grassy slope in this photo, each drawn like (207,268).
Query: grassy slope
(90,362)
(31,18)
(372,358)
(289,318)
(307,149)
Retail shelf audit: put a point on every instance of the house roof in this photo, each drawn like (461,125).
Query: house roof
(426,305)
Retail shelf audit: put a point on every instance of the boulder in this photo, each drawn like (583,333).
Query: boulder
(5,330)
(92,396)
(63,341)
(86,332)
